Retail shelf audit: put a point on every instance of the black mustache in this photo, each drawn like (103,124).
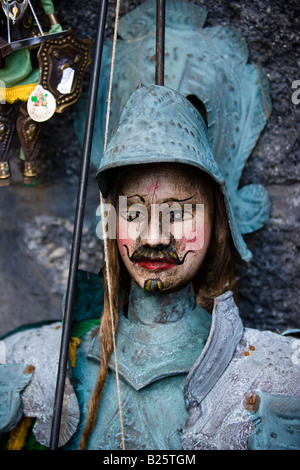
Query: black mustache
(159,252)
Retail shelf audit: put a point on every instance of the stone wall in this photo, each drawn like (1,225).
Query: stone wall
(269,285)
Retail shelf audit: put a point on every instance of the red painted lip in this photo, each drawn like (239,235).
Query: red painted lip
(156,264)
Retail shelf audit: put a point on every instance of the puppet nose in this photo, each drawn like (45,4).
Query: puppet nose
(155,235)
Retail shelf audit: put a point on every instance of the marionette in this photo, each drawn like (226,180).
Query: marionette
(41,69)
(171,365)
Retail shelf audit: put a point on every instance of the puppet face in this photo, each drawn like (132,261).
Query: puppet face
(165,222)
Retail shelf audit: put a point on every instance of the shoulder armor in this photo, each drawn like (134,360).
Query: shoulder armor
(40,348)
(255,394)
(13,379)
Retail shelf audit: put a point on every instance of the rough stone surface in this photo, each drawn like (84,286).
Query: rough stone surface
(36,222)
(268,287)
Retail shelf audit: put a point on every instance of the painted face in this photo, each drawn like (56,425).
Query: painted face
(165,221)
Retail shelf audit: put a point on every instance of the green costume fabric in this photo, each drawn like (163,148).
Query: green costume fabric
(18,69)
(48,6)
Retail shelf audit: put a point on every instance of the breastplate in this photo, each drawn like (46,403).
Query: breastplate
(153,366)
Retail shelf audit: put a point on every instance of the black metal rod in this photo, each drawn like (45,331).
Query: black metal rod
(160,43)
(77,231)
(8,23)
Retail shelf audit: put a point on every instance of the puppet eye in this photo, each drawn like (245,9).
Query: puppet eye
(187,215)
(178,215)
(133,216)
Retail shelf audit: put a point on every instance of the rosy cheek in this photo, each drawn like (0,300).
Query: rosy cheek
(124,241)
(122,250)
(122,237)
(122,231)
(192,241)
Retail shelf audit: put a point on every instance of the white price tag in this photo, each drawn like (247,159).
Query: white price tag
(41,104)
(65,86)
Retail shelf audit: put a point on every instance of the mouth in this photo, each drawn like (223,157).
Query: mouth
(156,264)
(159,259)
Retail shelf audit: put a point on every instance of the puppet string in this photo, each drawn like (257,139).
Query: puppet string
(109,284)
(106,251)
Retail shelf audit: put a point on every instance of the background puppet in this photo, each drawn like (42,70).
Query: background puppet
(162,97)
(58,66)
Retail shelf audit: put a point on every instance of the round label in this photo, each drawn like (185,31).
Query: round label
(41,104)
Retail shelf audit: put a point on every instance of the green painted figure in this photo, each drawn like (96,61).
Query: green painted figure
(41,70)
(19,75)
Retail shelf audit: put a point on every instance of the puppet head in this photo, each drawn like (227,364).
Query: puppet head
(160,155)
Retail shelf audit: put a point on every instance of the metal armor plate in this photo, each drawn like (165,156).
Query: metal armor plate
(62,64)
